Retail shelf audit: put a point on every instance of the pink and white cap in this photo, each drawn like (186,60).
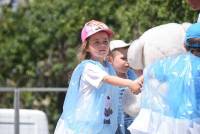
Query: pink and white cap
(93,27)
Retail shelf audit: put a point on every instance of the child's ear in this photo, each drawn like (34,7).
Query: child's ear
(110,59)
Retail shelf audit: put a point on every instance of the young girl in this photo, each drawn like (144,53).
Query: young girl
(90,105)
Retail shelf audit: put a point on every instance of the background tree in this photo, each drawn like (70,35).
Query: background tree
(38,43)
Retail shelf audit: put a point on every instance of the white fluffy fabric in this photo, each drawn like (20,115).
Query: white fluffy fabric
(131,103)
(155,43)
(162,124)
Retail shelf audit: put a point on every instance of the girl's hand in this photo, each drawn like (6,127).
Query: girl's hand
(136,85)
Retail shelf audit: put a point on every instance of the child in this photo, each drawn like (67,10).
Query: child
(172,88)
(118,58)
(90,103)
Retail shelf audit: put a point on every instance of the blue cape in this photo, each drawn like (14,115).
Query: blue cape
(88,119)
(172,87)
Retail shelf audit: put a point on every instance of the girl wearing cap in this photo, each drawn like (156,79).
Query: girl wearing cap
(90,105)
(172,88)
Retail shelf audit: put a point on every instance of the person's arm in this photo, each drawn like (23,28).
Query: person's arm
(133,85)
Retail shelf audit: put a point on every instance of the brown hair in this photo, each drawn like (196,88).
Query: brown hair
(83,54)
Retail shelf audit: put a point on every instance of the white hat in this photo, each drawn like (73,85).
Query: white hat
(118,44)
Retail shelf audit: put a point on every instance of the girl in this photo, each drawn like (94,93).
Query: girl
(90,105)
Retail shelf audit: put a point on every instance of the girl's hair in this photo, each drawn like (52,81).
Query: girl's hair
(83,54)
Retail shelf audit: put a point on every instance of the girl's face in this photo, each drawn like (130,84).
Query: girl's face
(98,46)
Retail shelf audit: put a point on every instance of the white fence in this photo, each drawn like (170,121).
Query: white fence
(16,92)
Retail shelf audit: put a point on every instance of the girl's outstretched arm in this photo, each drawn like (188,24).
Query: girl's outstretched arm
(133,85)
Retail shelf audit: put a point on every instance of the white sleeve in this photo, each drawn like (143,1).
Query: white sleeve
(93,75)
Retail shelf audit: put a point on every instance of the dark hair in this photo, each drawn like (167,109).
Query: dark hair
(191,43)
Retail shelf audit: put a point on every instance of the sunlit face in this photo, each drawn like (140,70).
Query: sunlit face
(98,46)
(119,60)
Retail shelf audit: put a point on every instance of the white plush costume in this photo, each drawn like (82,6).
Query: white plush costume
(156,43)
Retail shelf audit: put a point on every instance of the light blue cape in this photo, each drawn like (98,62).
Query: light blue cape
(89,119)
(172,87)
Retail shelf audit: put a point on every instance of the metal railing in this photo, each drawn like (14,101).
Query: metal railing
(17,91)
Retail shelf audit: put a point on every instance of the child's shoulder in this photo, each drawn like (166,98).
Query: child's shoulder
(105,64)
(92,64)
(95,65)
(84,65)
(131,74)
(89,62)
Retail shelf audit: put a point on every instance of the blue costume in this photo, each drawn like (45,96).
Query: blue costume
(171,96)
(90,115)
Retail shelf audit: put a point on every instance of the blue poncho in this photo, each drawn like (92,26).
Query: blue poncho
(171,97)
(178,87)
(82,120)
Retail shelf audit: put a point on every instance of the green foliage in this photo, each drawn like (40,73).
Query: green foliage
(38,43)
